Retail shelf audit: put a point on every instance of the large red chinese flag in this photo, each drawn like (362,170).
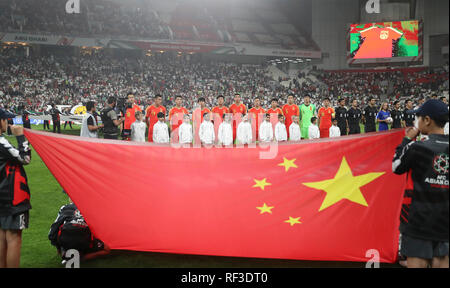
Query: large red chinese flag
(324,200)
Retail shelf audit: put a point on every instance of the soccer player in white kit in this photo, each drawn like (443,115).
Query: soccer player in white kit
(280,129)
(266,130)
(138,128)
(225,133)
(185,131)
(206,131)
(161,130)
(294,129)
(244,131)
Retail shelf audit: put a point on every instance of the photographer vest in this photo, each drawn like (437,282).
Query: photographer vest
(85,132)
(109,127)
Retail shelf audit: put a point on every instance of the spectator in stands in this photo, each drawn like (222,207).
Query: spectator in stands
(74,80)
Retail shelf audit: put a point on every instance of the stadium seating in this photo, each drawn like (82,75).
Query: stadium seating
(197,20)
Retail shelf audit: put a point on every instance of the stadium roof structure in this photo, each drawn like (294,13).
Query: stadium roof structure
(237,27)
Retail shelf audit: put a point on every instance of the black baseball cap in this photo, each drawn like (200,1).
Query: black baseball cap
(6,114)
(432,108)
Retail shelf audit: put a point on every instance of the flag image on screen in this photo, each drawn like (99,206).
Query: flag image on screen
(384,40)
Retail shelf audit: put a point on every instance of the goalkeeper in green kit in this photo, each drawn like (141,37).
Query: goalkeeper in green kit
(307,111)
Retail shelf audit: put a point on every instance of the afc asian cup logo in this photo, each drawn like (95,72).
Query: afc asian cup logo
(384,35)
(440,164)
(77,213)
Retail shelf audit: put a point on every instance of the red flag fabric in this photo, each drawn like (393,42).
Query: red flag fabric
(332,199)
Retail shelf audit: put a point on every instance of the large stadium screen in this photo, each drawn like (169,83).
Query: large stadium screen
(386,40)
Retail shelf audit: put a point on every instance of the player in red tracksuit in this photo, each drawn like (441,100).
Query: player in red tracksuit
(218,112)
(274,111)
(325,115)
(197,117)
(237,109)
(130,117)
(151,115)
(290,109)
(257,114)
(176,117)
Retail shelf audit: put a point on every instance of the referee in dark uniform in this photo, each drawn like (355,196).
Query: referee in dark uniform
(341,117)
(424,220)
(369,116)
(397,116)
(354,118)
(408,116)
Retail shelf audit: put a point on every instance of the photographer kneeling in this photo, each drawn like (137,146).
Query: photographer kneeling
(70,231)
(110,120)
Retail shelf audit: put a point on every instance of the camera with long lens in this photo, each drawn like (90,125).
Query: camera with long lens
(121,106)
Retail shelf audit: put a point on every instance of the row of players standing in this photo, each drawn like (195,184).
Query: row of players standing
(348,120)
(238,112)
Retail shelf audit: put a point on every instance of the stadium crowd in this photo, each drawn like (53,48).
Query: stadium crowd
(38,82)
(32,85)
(99,17)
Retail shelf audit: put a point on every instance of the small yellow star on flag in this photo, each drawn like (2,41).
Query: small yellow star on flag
(344,186)
(288,164)
(261,183)
(265,209)
(293,221)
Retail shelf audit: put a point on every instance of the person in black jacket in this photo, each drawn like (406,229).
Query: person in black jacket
(67,113)
(354,118)
(370,115)
(70,231)
(46,122)
(14,193)
(26,119)
(56,119)
(425,213)
(10,120)
(111,120)
(397,116)
(341,117)
(408,115)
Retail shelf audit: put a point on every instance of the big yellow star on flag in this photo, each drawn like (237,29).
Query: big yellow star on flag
(261,183)
(293,221)
(265,209)
(344,186)
(288,164)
